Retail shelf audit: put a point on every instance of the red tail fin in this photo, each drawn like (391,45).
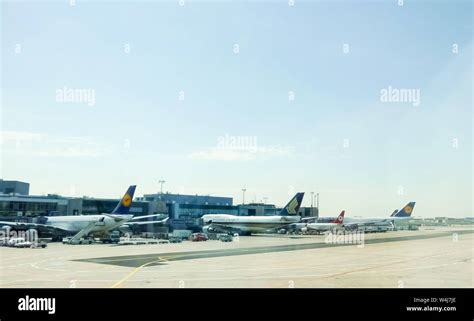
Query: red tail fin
(340,218)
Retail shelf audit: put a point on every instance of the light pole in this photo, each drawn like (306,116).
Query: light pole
(243,195)
(265,200)
(161,181)
(312,198)
(317,202)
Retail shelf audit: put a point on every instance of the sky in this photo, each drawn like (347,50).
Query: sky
(368,103)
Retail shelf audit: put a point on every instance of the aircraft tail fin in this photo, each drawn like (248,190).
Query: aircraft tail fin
(340,218)
(293,206)
(123,206)
(394,213)
(406,211)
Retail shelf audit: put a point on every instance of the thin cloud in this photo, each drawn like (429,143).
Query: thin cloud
(224,154)
(45,145)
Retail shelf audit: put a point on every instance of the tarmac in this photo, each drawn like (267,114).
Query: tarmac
(429,258)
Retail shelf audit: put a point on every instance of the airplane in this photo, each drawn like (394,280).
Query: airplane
(298,227)
(403,214)
(246,225)
(324,227)
(83,225)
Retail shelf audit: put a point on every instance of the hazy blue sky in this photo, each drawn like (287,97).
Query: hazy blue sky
(238,65)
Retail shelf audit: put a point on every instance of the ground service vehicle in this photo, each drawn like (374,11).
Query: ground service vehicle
(175,239)
(226,238)
(198,237)
(113,237)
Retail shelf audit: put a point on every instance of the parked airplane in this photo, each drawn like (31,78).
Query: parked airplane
(354,222)
(324,227)
(83,225)
(403,214)
(254,224)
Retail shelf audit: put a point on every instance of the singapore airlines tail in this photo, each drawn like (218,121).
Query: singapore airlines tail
(293,206)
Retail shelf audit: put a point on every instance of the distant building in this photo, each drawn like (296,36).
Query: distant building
(309,212)
(187,199)
(441,219)
(184,211)
(91,206)
(14,187)
(28,206)
(20,207)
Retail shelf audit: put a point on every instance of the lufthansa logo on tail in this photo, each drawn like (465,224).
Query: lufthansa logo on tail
(408,209)
(291,208)
(126,200)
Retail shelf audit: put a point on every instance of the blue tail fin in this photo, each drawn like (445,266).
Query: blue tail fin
(406,211)
(124,204)
(293,206)
(394,213)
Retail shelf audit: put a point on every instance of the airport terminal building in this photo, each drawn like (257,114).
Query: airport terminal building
(184,211)
(14,187)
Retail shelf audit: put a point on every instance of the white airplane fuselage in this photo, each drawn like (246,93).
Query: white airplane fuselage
(252,224)
(76,223)
(374,220)
(322,226)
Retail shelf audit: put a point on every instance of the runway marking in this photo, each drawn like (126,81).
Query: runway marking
(252,251)
(173,256)
(117,284)
(398,262)
(322,275)
(150,260)
(293,274)
(34,265)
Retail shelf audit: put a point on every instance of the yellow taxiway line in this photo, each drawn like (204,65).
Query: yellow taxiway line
(125,278)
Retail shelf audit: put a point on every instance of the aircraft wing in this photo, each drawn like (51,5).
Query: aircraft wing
(308,219)
(147,222)
(146,216)
(33,226)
